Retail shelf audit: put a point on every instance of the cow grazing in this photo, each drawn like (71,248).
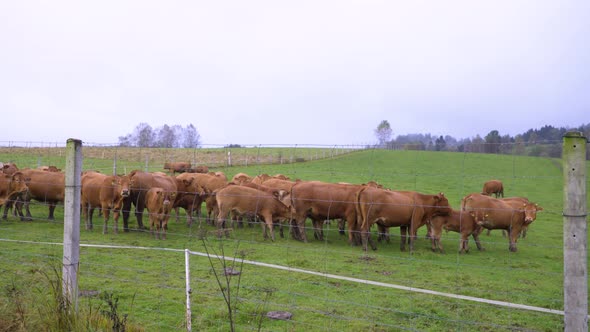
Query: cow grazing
(408,210)
(159,203)
(493,213)
(177,167)
(139,184)
(106,192)
(457,221)
(11,186)
(493,187)
(245,201)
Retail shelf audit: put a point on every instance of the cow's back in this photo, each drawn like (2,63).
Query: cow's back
(46,186)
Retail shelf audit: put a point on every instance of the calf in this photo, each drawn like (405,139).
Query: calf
(159,204)
(457,221)
(11,186)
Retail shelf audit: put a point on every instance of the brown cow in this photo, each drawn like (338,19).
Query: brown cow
(322,201)
(9,168)
(493,187)
(408,210)
(199,169)
(210,184)
(45,187)
(177,167)
(457,221)
(189,196)
(159,203)
(49,168)
(516,202)
(493,213)
(11,186)
(241,178)
(106,192)
(246,201)
(139,183)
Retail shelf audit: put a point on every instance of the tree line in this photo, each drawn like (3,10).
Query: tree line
(543,142)
(166,136)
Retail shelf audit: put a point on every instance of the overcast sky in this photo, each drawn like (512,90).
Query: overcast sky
(291,72)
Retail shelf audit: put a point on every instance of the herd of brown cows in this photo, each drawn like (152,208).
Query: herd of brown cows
(274,200)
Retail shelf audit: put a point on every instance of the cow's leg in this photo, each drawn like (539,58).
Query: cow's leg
(139,214)
(514,231)
(403,230)
(52,206)
(6,207)
(475,236)
(28,217)
(126,210)
(90,212)
(105,214)
(85,214)
(464,247)
(267,219)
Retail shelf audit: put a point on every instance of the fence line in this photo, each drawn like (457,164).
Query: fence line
(315,273)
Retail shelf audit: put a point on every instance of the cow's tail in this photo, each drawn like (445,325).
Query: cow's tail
(361,221)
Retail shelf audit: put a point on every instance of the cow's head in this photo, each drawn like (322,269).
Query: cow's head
(530,212)
(18,183)
(123,184)
(441,205)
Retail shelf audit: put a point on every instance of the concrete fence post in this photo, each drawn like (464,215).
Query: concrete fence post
(575,238)
(71,254)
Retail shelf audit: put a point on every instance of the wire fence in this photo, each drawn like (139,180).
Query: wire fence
(324,284)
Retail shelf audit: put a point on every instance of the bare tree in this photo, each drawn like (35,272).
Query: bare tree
(383,132)
(192,139)
(144,135)
(166,137)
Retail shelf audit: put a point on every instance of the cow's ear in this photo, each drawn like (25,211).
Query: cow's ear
(486,215)
(472,214)
(538,207)
(114,182)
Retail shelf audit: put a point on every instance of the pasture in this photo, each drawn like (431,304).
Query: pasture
(149,281)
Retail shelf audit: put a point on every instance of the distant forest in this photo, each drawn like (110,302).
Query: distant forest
(543,142)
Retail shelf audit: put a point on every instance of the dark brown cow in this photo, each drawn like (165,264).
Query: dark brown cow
(106,192)
(408,210)
(177,167)
(139,183)
(45,187)
(322,201)
(457,221)
(493,213)
(159,203)
(245,201)
(11,186)
(493,187)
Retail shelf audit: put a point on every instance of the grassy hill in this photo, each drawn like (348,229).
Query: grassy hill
(150,283)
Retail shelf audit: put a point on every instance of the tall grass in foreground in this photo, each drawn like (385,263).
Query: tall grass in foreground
(34,301)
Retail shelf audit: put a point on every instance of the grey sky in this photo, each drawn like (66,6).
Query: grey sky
(291,72)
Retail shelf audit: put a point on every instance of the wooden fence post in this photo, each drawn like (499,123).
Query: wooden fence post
(71,255)
(575,238)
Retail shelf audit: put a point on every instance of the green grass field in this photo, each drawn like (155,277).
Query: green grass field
(150,283)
